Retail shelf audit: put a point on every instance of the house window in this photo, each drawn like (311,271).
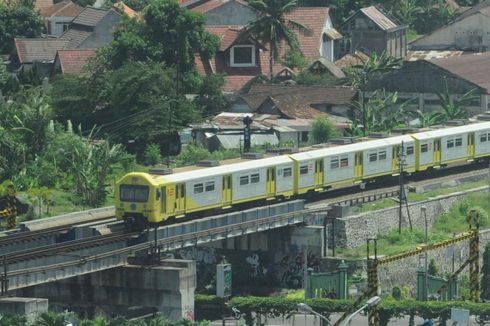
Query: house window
(382,155)
(243,56)
(198,188)
(334,163)
(458,142)
(303,169)
(304,136)
(244,180)
(450,143)
(287,172)
(373,157)
(410,150)
(210,186)
(255,178)
(483,138)
(424,148)
(344,162)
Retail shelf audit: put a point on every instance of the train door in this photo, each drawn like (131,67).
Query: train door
(395,159)
(163,201)
(319,173)
(180,198)
(271,182)
(437,152)
(227,190)
(358,167)
(471,146)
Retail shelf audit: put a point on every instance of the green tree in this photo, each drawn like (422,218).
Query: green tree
(485,280)
(152,155)
(143,107)
(73,100)
(433,269)
(210,99)
(455,107)
(50,319)
(294,59)
(427,119)
(17,21)
(167,33)
(272,27)
(91,164)
(322,130)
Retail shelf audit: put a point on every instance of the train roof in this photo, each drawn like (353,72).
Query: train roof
(356,147)
(452,131)
(226,169)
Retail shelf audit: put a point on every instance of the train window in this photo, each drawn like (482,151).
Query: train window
(255,178)
(198,188)
(483,138)
(410,150)
(424,148)
(458,142)
(210,186)
(373,157)
(134,193)
(303,169)
(450,143)
(334,163)
(287,172)
(244,180)
(382,155)
(344,162)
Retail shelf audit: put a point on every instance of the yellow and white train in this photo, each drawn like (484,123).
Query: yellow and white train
(156,198)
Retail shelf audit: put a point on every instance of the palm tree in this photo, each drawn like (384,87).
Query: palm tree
(455,108)
(372,69)
(272,27)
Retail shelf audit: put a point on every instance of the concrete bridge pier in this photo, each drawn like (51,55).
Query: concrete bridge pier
(167,288)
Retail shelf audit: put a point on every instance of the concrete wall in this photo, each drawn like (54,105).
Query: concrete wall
(469,33)
(55,25)
(352,231)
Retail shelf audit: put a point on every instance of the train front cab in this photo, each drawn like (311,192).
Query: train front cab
(138,198)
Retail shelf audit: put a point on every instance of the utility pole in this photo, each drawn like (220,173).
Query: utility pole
(401,163)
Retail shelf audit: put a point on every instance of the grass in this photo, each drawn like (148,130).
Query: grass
(412,35)
(445,226)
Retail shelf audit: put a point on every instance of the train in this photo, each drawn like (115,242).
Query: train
(153,198)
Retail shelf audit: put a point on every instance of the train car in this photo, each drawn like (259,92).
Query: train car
(442,147)
(157,198)
(352,163)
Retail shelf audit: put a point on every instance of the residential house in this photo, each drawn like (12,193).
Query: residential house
(372,30)
(423,79)
(470,32)
(70,61)
(279,113)
(58,17)
(42,4)
(92,28)
(36,53)
(243,60)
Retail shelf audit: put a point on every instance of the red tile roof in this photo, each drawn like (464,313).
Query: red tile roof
(41,4)
(227,34)
(123,8)
(314,18)
(72,61)
(213,4)
(64,8)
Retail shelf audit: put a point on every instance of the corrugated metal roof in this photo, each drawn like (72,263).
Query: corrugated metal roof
(379,18)
(431,54)
(333,34)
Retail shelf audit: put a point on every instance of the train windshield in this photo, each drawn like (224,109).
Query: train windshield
(134,193)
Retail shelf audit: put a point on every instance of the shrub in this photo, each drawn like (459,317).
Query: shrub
(152,155)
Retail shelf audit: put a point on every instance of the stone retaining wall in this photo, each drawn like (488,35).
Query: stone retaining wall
(352,231)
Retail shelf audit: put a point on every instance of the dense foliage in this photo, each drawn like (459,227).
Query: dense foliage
(17,20)
(322,130)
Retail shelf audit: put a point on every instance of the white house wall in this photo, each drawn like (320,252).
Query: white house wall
(461,34)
